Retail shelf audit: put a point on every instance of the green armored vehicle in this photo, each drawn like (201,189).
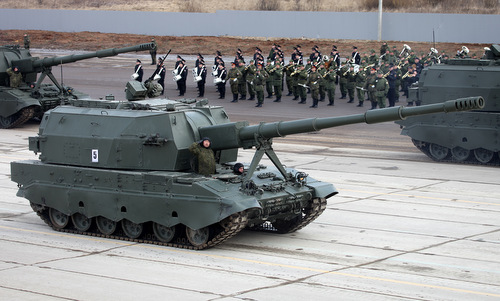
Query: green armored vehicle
(127,173)
(32,97)
(468,137)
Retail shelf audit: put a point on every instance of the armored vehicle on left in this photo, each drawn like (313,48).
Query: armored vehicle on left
(29,98)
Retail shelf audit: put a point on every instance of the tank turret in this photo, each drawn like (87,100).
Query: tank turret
(32,97)
(463,137)
(132,167)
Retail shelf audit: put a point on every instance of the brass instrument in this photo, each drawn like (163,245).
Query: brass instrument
(405,75)
(433,51)
(368,66)
(295,72)
(406,51)
(387,74)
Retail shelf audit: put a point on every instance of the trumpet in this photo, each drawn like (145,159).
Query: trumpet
(296,71)
(405,75)
(387,74)
(368,66)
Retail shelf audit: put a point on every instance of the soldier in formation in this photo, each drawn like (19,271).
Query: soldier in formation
(233,76)
(259,83)
(138,71)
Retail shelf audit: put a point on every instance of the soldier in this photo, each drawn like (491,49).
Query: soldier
(177,69)
(182,81)
(342,73)
(329,78)
(370,87)
(384,48)
(238,57)
(233,77)
(391,79)
(355,57)
(27,41)
(152,51)
(250,70)
(360,84)
(277,80)
(302,83)
(295,79)
(201,72)
(288,69)
(269,80)
(15,76)
(242,82)
(351,83)
(296,57)
(381,89)
(204,155)
(161,73)
(373,58)
(199,58)
(138,71)
(313,83)
(322,71)
(221,82)
(259,82)
(218,58)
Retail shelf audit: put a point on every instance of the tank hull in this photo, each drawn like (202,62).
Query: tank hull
(169,199)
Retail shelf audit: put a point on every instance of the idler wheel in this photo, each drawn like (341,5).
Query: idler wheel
(105,225)
(164,233)
(131,229)
(483,155)
(81,222)
(59,220)
(5,122)
(198,237)
(438,152)
(460,153)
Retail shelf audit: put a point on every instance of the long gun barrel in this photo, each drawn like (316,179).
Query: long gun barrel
(35,65)
(246,135)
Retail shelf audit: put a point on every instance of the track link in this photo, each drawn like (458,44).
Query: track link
(226,229)
(424,148)
(21,117)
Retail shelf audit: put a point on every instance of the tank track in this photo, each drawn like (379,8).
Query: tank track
(21,117)
(231,226)
(309,214)
(424,148)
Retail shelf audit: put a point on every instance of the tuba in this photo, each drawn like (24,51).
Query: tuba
(406,51)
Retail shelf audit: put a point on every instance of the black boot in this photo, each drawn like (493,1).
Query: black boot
(235,98)
(360,104)
(315,103)
(278,99)
(302,100)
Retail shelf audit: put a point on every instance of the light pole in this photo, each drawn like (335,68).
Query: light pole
(380,20)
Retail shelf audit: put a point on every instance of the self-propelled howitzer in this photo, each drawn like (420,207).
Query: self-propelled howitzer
(32,98)
(125,173)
